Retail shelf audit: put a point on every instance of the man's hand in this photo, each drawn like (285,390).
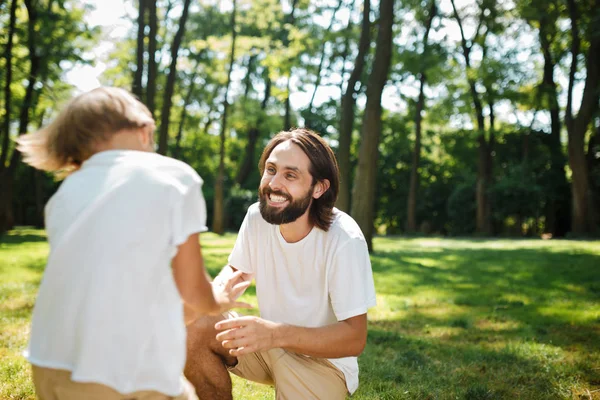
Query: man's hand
(246,335)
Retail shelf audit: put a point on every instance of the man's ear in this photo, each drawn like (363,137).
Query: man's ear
(320,188)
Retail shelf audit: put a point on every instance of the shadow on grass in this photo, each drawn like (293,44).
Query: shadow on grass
(414,367)
(484,323)
(532,276)
(543,291)
(23,235)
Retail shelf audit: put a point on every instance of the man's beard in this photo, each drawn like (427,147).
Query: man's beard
(294,210)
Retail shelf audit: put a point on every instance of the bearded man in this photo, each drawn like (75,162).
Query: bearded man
(314,285)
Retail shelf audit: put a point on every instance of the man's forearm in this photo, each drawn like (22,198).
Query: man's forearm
(244,335)
(332,341)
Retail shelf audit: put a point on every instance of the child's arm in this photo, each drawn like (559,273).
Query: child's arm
(225,275)
(194,285)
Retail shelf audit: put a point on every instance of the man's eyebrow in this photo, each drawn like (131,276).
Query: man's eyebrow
(287,167)
(290,168)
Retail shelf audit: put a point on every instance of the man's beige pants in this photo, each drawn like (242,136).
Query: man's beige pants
(56,384)
(295,377)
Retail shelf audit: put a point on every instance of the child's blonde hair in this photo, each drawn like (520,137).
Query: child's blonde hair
(88,119)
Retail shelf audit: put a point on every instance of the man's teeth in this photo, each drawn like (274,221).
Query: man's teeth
(277,199)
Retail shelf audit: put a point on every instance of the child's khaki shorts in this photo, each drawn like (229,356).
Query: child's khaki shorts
(56,384)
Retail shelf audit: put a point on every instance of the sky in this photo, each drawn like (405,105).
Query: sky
(115,16)
(111,15)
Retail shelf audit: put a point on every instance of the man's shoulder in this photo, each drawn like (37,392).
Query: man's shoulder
(254,216)
(345,228)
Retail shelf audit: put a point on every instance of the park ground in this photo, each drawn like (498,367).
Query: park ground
(456,318)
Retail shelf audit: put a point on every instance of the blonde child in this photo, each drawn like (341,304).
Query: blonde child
(125,257)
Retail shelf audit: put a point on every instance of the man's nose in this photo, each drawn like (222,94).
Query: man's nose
(275,182)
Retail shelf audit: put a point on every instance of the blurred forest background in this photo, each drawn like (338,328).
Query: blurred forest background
(448,117)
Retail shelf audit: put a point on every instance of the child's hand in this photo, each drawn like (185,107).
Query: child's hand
(226,292)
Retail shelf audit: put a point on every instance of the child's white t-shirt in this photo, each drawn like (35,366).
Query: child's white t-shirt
(324,278)
(108,308)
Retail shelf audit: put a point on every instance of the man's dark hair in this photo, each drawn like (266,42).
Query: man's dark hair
(323,165)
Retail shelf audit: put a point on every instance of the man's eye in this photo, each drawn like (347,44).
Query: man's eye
(290,176)
(271,170)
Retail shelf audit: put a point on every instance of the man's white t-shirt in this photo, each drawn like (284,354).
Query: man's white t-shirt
(108,308)
(320,280)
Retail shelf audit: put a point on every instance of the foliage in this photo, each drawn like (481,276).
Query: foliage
(312,52)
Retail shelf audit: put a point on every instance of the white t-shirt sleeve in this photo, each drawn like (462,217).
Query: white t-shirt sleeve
(240,257)
(189,214)
(351,286)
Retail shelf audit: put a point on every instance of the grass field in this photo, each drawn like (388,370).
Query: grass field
(456,319)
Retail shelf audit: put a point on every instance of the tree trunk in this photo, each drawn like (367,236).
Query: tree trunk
(489,165)
(346,49)
(218,225)
(139,70)
(579,185)
(577,127)
(366,173)
(411,212)
(556,213)
(34,67)
(250,70)
(247,164)
(308,122)
(165,114)
(152,65)
(593,161)
(481,197)
(348,105)
(38,182)
(186,102)
(287,118)
(8,174)
(5,144)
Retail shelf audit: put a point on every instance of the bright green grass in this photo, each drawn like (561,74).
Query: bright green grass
(456,319)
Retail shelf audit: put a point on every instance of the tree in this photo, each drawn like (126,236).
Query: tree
(577,126)
(152,65)
(308,120)
(543,15)
(218,225)
(187,100)
(7,91)
(484,162)
(253,134)
(6,220)
(8,173)
(52,33)
(593,161)
(289,21)
(411,222)
(165,114)
(556,213)
(348,107)
(139,70)
(364,184)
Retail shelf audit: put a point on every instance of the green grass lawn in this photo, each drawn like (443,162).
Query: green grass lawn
(456,319)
